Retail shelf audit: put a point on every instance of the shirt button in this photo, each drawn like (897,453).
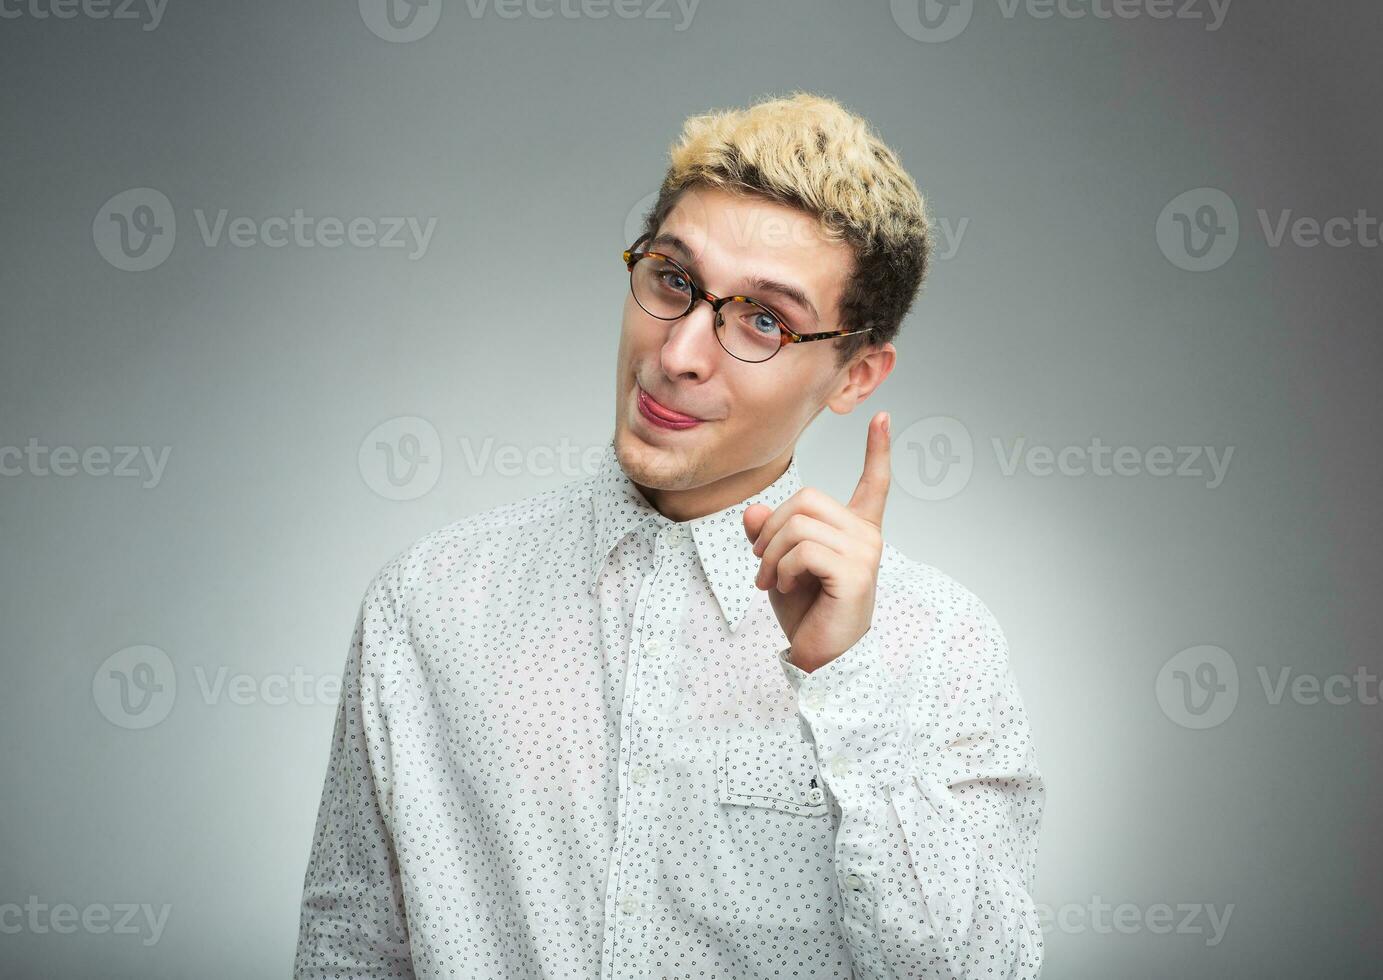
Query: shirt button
(813,699)
(854,882)
(840,765)
(639,775)
(816,796)
(630,905)
(653,647)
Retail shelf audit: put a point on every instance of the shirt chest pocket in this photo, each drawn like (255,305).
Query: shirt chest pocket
(773,770)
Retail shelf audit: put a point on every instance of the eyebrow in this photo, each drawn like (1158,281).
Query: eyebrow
(756,283)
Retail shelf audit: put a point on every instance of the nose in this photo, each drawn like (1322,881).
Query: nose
(691,348)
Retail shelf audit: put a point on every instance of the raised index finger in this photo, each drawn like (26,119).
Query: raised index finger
(872,491)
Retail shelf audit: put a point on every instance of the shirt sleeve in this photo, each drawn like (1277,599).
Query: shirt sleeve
(352,918)
(940,800)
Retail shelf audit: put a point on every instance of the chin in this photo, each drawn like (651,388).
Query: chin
(659,467)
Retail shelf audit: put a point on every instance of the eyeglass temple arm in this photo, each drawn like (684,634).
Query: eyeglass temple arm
(803,338)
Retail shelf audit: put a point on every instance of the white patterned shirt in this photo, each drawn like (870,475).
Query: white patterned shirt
(570,744)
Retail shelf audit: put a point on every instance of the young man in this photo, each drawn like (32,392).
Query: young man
(689,718)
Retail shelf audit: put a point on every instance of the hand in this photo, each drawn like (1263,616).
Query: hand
(821,558)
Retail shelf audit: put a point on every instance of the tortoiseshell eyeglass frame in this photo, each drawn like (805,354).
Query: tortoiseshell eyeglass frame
(786,335)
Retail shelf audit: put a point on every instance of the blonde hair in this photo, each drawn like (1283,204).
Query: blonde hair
(810,153)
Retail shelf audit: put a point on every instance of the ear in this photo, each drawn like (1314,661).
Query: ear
(858,379)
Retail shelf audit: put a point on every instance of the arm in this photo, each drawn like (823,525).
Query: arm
(933,770)
(940,801)
(352,922)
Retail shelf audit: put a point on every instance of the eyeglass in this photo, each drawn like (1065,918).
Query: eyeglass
(747,329)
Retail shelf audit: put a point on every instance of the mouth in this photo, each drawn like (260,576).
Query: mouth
(662,416)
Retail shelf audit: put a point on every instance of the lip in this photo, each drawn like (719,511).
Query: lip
(663,416)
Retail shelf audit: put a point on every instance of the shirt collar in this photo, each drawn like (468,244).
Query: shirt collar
(725,551)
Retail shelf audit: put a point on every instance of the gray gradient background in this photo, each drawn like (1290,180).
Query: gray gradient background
(1058,319)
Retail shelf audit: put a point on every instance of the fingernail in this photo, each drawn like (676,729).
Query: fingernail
(887,418)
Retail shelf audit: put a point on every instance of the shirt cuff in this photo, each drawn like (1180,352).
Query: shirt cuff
(854,712)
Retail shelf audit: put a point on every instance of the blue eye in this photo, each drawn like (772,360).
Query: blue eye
(765,323)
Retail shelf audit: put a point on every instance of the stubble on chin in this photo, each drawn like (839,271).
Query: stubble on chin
(658,469)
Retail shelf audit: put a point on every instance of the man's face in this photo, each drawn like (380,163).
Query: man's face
(751,413)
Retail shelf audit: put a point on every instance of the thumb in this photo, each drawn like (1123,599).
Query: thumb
(754,517)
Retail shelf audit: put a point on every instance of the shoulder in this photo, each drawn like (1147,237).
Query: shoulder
(927,611)
(499,534)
